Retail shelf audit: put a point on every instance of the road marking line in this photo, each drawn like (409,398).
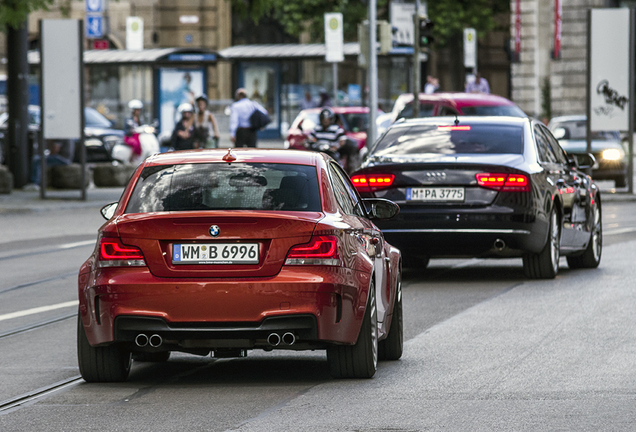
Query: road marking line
(76,244)
(620,231)
(38,310)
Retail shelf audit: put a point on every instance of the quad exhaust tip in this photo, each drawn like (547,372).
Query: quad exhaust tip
(141,340)
(273,339)
(155,340)
(289,338)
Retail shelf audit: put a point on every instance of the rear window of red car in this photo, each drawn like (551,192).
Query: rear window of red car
(493,110)
(222,186)
(448,139)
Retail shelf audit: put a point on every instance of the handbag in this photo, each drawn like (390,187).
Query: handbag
(258,119)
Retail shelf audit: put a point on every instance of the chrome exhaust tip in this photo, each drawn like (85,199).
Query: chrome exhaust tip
(500,244)
(273,339)
(141,340)
(289,338)
(155,340)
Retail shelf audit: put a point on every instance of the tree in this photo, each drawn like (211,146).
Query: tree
(14,12)
(299,16)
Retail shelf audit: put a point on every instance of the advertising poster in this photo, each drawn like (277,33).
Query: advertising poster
(177,86)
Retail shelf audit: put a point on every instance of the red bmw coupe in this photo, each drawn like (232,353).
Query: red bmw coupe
(228,251)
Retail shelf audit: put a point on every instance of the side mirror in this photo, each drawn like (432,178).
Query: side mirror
(586,161)
(379,208)
(109,210)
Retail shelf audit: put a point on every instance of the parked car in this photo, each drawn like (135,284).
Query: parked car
(229,252)
(484,187)
(607,147)
(450,104)
(100,136)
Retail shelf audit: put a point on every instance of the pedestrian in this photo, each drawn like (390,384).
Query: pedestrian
(184,133)
(60,152)
(325,100)
(478,85)
(242,133)
(307,102)
(207,130)
(432,85)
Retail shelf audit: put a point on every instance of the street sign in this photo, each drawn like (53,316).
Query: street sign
(101,44)
(134,33)
(334,46)
(94,26)
(94,6)
(470,48)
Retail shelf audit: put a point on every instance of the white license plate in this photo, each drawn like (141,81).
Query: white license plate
(438,194)
(215,253)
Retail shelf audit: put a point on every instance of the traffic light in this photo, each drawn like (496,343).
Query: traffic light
(426,32)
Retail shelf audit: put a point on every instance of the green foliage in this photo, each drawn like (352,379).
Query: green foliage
(14,12)
(297,16)
(452,16)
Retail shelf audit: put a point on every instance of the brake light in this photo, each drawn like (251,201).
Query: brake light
(113,253)
(453,128)
(504,182)
(321,250)
(372,182)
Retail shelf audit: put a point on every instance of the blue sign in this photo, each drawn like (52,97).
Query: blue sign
(192,57)
(94,6)
(94,26)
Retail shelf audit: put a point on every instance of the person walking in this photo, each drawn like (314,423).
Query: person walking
(478,85)
(242,133)
(432,85)
(207,130)
(184,133)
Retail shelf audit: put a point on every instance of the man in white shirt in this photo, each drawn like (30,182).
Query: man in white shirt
(241,132)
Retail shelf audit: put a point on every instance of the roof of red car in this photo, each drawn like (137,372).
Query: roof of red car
(242,154)
(341,110)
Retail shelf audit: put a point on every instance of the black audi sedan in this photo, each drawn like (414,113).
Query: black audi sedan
(484,187)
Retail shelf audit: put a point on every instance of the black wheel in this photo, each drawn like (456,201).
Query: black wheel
(591,258)
(620,182)
(415,262)
(545,264)
(152,357)
(101,364)
(392,347)
(359,360)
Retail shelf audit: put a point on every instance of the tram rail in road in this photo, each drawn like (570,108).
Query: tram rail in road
(33,396)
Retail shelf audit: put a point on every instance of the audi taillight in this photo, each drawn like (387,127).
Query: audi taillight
(504,182)
(113,253)
(372,182)
(321,250)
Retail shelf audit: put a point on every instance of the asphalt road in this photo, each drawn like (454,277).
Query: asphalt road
(486,350)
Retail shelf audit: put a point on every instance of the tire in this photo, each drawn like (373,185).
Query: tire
(151,357)
(392,347)
(416,262)
(620,182)
(545,264)
(101,364)
(591,257)
(359,360)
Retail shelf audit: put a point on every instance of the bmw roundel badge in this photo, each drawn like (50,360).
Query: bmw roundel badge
(215,230)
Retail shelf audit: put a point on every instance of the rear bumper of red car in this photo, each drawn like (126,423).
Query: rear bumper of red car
(318,305)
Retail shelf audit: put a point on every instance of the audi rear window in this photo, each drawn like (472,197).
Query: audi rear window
(222,186)
(448,139)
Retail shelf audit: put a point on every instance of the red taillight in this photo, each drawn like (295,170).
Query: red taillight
(372,182)
(113,253)
(321,250)
(504,182)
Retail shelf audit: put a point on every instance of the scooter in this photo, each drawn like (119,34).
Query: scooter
(140,145)
(349,163)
